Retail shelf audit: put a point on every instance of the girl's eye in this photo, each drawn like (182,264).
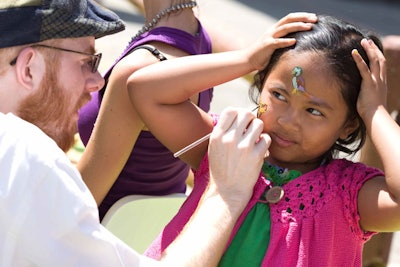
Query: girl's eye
(278,96)
(314,112)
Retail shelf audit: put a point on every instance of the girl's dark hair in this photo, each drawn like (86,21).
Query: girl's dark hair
(334,39)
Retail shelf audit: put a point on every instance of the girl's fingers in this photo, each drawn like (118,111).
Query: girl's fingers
(293,22)
(379,59)
(282,43)
(370,49)
(291,27)
(361,65)
(377,64)
(373,86)
(298,16)
(273,40)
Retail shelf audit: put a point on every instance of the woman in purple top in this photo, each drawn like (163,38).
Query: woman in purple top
(121,157)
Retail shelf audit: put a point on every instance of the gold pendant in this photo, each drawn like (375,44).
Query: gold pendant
(274,194)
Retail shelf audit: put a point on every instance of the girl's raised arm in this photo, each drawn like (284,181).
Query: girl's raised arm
(379,198)
(161,91)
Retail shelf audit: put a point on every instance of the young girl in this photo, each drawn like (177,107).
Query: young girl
(320,91)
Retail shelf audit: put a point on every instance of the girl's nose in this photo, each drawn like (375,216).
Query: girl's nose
(289,119)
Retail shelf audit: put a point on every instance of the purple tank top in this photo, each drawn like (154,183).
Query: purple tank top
(151,168)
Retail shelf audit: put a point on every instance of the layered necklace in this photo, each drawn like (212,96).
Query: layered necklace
(278,178)
(153,22)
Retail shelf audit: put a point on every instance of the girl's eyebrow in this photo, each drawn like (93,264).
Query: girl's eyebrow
(281,89)
(315,101)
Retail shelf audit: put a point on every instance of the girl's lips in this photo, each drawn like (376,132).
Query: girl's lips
(281,141)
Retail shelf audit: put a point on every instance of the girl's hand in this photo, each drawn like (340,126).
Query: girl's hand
(236,153)
(378,198)
(261,51)
(373,86)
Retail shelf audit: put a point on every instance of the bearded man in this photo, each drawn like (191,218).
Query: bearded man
(48,67)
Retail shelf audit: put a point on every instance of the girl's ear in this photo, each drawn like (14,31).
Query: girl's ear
(29,68)
(349,128)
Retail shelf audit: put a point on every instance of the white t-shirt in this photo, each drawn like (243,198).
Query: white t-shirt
(48,216)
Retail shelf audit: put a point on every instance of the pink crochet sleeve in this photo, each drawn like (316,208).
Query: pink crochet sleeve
(353,179)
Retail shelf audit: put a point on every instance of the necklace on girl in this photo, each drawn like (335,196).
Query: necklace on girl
(278,178)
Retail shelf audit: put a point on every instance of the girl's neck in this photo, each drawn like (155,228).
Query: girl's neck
(303,167)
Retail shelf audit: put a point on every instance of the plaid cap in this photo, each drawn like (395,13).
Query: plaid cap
(31,21)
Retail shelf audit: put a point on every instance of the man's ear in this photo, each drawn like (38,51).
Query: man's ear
(349,128)
(30,67)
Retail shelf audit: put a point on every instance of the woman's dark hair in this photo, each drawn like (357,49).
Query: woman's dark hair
(333,39)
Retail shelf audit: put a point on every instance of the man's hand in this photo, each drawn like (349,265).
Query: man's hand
(236,153)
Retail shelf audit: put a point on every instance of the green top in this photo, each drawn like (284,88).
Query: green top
(251,241)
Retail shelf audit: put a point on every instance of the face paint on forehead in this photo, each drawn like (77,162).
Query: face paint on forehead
(298,81)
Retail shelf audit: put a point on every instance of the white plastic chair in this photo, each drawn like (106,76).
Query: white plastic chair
(138,219)
(394,253)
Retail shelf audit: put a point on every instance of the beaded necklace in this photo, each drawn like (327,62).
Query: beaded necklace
(278,177)
(153,22)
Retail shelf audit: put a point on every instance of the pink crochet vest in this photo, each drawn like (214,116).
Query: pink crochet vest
(315,224)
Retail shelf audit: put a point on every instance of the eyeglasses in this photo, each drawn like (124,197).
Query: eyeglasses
(94,63)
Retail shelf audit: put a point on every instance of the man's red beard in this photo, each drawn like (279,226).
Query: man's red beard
(49,110)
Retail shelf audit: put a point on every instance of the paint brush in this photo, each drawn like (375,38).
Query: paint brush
(261,109)
(192,145)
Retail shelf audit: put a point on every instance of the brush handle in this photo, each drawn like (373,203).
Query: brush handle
(197,142)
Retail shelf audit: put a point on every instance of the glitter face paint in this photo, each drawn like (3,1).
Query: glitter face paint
(262,108)
(298,81)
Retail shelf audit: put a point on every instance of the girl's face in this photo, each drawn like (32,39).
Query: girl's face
(303,125)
